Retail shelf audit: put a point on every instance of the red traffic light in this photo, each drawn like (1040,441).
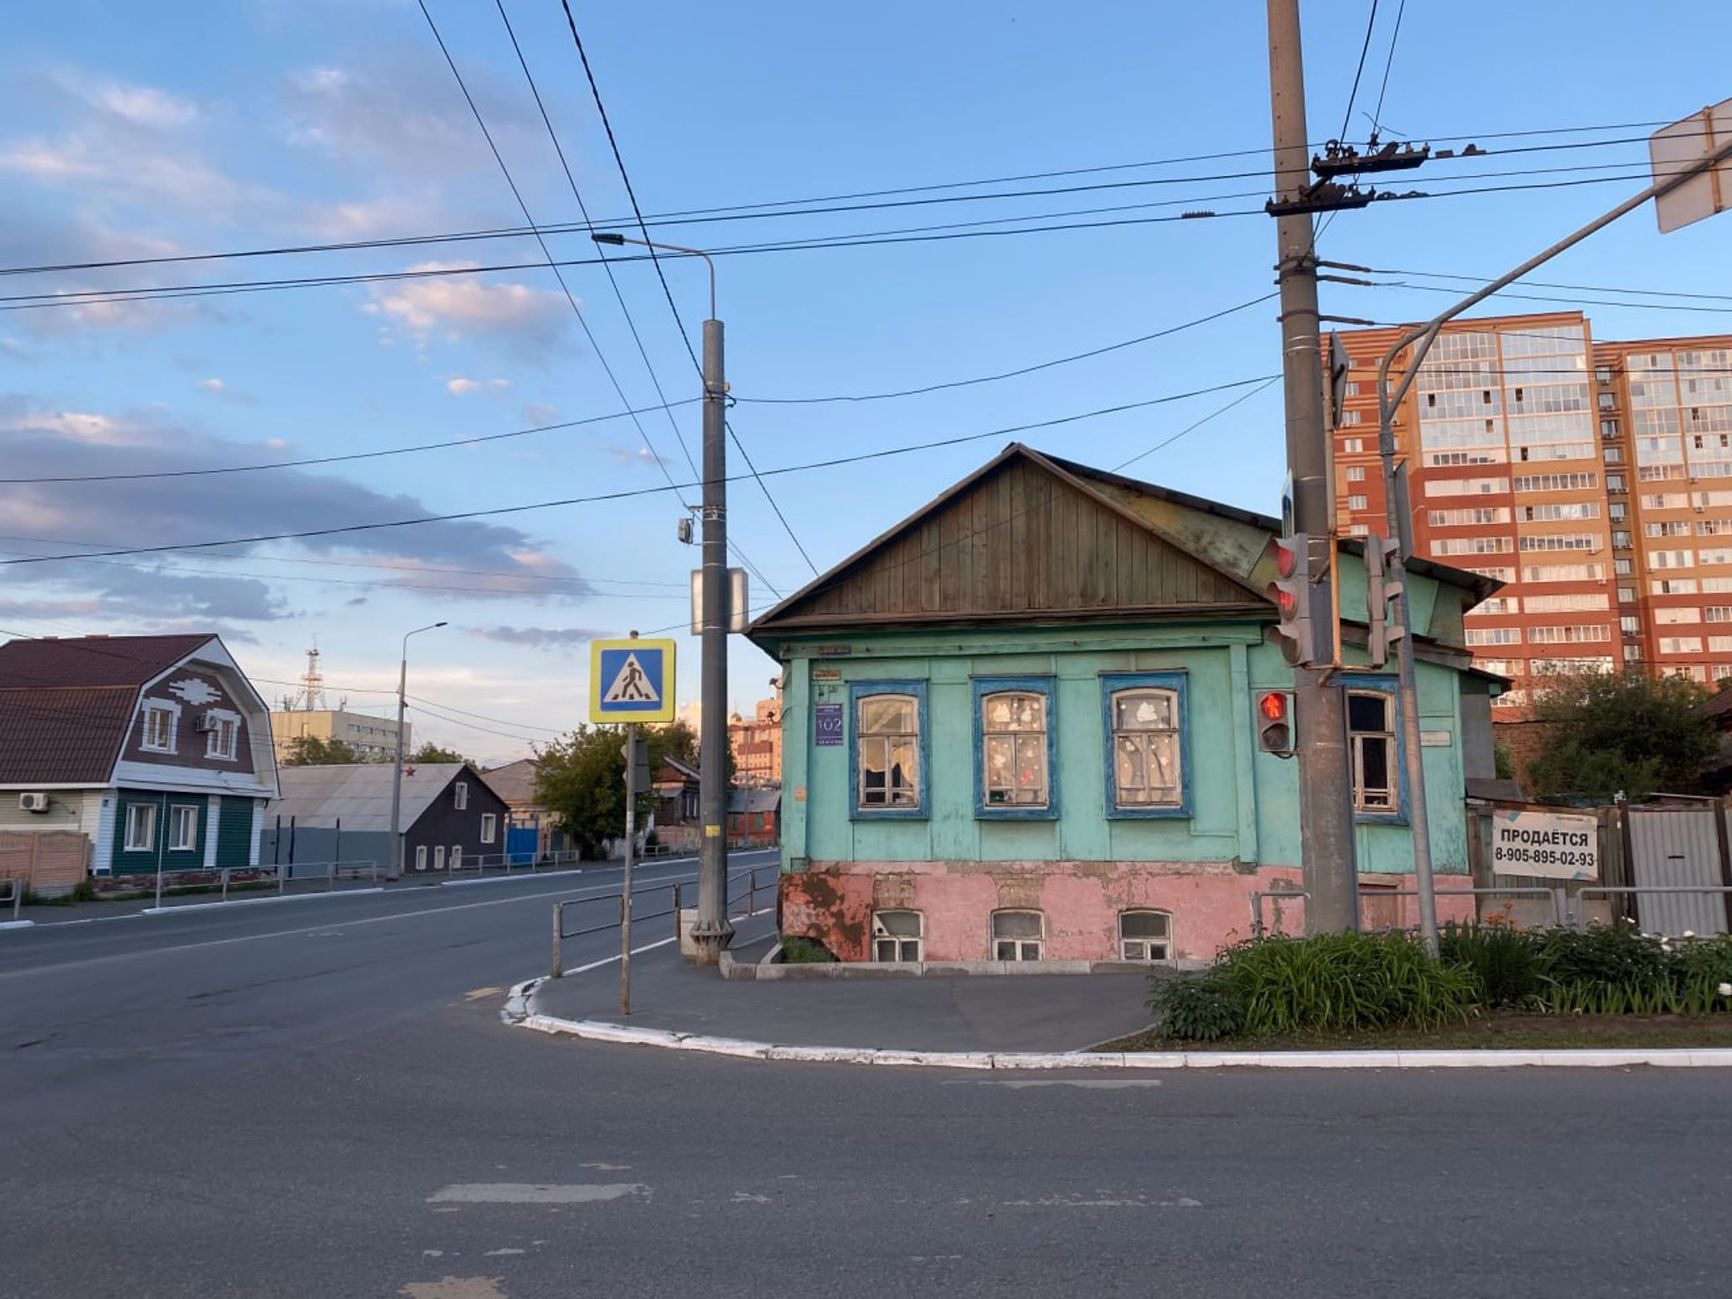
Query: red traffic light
(1286,601)
(1273,705)
(1286,557)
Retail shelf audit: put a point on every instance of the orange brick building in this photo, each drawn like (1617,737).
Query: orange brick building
(1593,479)
(756,742)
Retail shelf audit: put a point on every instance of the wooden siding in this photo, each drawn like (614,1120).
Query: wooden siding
(1018,541)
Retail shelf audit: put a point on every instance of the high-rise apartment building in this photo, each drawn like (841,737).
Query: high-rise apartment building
(1593,479)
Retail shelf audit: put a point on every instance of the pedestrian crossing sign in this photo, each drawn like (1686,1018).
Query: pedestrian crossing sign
(631,680)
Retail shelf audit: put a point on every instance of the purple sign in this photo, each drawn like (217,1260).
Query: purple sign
(826,724)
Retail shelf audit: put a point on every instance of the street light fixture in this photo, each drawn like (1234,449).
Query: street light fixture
(712,932)
(397,774)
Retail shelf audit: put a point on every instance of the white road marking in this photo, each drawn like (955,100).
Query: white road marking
(325,928)
(496,1253)
(746,1197)
(1073,1202)
(1096,1084)
(533,1193)
(606,1168)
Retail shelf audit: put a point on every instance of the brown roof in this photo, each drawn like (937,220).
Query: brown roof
(67,735)
(92,660)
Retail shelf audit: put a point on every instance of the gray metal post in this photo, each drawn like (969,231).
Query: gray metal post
(630,856)
(712,932)
(161,838)
(396,846)
(555,970)
(1325,789)
(1420,339)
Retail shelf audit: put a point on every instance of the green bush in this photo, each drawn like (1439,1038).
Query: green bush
(1343,982)
(805,951)
(1196,1007)
(1605,955)
(1503,961)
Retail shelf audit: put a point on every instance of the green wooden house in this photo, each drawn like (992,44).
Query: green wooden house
(1020,725)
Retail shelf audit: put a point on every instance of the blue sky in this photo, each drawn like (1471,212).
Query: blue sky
(146,130)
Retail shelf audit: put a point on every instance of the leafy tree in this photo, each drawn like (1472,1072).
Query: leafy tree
(1630,733)
(315,751)
(431,752)
(581,779)
(1505,761)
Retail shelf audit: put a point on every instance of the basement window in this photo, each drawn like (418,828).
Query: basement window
(896,935)
(1017,935)
(1145,935)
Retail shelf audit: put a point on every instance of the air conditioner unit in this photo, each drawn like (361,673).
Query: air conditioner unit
(205,723)
(33,801)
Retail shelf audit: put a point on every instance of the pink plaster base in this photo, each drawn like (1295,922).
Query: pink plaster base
(1210,903)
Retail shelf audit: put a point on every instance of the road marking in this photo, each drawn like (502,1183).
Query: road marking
(535,1193)
(1096,1084)
(481,993)
(746,1197)
(1076,1202)
(650,947)
(326,928)
(455,1287)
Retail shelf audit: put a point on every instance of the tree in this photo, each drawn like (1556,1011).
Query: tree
(581,779)
(431,752)
(1629,733)
(315,751)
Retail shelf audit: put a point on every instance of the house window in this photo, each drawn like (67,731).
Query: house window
(889,753)
(438,857)
(489,826)
(140,827)
(421,857)
(1371,728)
(159,728)
(1017,935)
(1145,935)
(460,795)
(182,827)
(222,730)
(1013,747)
(1145,722)
(456,856)
(896,935)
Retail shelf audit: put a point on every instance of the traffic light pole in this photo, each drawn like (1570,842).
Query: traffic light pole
(1320,723)
(1420,339)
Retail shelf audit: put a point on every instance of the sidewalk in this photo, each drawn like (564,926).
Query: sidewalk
(973,1013)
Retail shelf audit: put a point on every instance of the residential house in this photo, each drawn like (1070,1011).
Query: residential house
(534,827)
(451,819)
(754,817)
(675,818)
(1021,725)
(126,755)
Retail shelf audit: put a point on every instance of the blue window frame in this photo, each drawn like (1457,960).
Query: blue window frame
(1015,749)
(887,751)
(1374,741)
(1146,723)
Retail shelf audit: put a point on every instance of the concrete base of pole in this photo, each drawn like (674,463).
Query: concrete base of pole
(710,941)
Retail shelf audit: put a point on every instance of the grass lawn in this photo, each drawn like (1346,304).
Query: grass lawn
(1500,1030)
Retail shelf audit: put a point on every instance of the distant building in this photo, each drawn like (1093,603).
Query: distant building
(123,755)
(754,818)
(515,783)
(676,807)
(757,744)
(451,819)
(372,739)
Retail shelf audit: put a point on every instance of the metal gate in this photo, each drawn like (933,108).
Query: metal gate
(1673,848)
(520,844)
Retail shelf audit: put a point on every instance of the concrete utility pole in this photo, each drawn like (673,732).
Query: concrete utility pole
(1320,723)
(397,775)
(712,933)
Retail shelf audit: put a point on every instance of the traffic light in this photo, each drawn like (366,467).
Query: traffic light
(1274,725)
(1292,593)
(1385,583)
(635,751)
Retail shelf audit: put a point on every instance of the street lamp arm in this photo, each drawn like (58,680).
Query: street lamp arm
(615,238)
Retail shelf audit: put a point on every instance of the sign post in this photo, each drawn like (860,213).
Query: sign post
(630,681)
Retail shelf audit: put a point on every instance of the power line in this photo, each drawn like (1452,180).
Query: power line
(1193,427)
(483,717)
(633,493)
(1389,62)
(1364,49)
(679,322)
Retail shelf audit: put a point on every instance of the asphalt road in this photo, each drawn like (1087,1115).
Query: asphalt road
(319,1099)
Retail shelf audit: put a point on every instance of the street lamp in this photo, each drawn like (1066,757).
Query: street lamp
(712,932)
(397,775)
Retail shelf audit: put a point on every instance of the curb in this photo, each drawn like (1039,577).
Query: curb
(254,902)
(17,924)
(520,1011)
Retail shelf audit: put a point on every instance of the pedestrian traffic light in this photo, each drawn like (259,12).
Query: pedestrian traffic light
(1291,591)
(1385,583)
(1274,725)
(635,751)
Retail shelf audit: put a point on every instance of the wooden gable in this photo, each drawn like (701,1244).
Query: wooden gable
(1020,539)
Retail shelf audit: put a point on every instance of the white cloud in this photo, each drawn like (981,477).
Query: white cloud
(143,105)
(461,387)
(634,456)
(211,385)
(460,303)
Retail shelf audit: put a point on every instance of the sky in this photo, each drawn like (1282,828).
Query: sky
(182,128)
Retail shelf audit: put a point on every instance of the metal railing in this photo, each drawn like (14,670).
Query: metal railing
(676,896)
(1565,915)
(281,878)
(14,894)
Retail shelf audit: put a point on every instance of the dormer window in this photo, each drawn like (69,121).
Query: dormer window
(160,723)
(222,734)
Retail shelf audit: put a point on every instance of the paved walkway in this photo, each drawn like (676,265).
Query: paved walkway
(1056,1012)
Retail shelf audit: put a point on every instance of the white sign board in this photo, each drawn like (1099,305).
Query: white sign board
(1551,845)
(1674,148)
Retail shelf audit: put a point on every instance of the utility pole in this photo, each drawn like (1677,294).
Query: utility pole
(631,750)
(395,870)
(1320,735)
